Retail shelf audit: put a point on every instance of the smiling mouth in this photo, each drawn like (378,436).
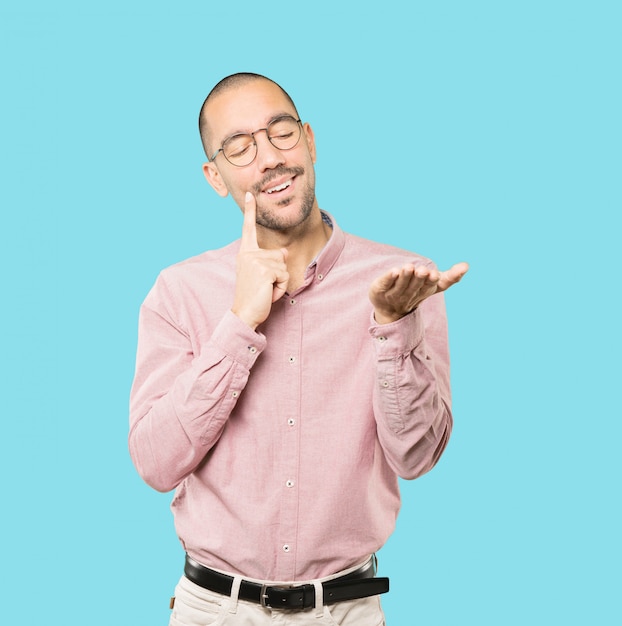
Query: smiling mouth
(277,181)
(280,187)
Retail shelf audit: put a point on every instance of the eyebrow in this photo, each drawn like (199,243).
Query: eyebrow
(248,132)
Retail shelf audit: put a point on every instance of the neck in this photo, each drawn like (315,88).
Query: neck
(303,243)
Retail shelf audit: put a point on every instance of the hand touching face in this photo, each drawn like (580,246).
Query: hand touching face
(261,275)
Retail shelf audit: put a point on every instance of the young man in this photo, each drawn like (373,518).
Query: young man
(283,383)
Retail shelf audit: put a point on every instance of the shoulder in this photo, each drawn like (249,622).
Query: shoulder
(207,272)
(196,267)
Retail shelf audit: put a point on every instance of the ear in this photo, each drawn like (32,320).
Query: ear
(310,137)
(213,177)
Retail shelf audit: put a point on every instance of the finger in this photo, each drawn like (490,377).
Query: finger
(279,289)
(386,281)
(249,226)
(281,281)
(414,284)
(412,278)
(429,277)
(452,276)
(424,273)
(406,280)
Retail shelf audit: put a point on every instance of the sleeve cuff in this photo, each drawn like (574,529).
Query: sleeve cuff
(398,337)
(238,341)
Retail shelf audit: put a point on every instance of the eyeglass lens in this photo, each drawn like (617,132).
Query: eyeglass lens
(283,133)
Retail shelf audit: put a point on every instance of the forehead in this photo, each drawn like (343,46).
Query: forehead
(246,108)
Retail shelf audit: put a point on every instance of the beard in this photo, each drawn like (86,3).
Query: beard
(271,219)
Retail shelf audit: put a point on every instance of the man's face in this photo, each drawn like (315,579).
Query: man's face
(282,181)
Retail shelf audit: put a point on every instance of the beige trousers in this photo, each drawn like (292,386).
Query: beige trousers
(195,606)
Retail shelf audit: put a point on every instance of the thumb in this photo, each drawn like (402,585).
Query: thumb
(280,284)
(453,275)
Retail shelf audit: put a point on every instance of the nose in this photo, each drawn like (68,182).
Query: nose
(268,156)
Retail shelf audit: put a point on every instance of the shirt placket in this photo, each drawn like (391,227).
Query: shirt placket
(289,466)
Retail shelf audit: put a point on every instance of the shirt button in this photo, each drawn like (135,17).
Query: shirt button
(382,339)
(320,276)
(235,394)
(385,383)
(291,421)
(292,359)
(289,483)
(292,301)
(286,548)
(252,349)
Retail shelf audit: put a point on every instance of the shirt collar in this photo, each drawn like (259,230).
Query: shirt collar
(329,254)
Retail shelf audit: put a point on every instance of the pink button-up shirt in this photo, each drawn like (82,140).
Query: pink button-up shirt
(284,445)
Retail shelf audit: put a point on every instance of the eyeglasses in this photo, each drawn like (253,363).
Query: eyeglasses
(240,150)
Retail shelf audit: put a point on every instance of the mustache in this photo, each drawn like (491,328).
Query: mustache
(275,173)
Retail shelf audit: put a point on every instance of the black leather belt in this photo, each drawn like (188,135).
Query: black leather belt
(360,583)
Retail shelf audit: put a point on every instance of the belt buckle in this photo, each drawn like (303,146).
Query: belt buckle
(284,594)
(263,597)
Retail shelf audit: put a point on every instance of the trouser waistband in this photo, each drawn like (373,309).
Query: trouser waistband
(360,583)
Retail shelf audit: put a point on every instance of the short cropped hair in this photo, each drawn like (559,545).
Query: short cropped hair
(230,82)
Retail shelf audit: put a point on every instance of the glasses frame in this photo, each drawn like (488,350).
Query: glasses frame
(274,121)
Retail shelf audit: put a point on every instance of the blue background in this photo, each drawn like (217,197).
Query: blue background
(481,131)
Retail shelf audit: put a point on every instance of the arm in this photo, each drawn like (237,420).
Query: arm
(412,397)
(180,401)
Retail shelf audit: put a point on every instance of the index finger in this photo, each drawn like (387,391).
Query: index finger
(249,226)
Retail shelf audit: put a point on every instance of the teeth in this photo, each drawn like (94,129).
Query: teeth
(280,187)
